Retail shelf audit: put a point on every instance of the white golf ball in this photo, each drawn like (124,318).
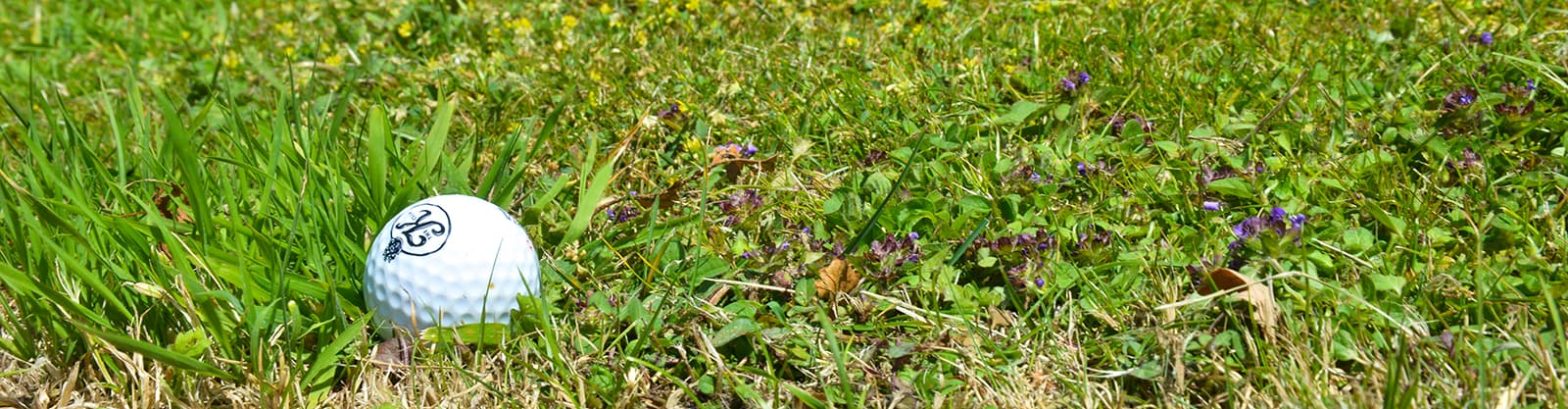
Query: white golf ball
(447,261)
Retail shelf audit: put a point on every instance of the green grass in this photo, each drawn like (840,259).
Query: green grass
(191,188)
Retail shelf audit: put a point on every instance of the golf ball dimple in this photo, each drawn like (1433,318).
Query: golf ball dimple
(447,261)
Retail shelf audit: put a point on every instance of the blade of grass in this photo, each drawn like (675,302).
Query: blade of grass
(377,146)
(157,353)
(958,252)
(546,133)
(14,112)
(73,265)
(183,153)
(500,166)
(318,379)
(830,331)
(435,141)
(590,194)
(865,230)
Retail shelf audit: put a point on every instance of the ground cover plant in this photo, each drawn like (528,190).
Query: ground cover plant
(882,203)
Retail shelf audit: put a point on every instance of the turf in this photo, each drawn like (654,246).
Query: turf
(801,204)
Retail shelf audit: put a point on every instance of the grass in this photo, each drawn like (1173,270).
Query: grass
(191,189)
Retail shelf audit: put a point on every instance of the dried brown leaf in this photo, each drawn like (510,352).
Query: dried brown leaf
(837,277)
(1264,310)
(166,207)
(393,353)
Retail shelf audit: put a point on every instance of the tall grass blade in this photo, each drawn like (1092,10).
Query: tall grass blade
(377,155)
(155,352)
(435,141)
(590,194)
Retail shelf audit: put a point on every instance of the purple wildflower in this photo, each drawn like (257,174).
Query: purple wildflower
(1083,170)
(873,157)
(1460,98)
(1039,282)
(748,198)
(1277,220)
(734,150)
(1529,84)
(1074,80)
(1119,122)
(1025,172)
(914,236)
(1207,175)
(1467,160)
(1236,261)
(621,214)
(1485,38)
(1515,110)
(1212,205)
(672,111)
(1247,228)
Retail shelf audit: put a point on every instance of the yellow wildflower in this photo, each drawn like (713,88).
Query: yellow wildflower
(285,28)
(568,22)
(693,145)
(850,42)
(231,59)
(889,28)
(336,60)
(605,8)
(693,5)
(520,25)
(406,29)
(288,51)
(934,4)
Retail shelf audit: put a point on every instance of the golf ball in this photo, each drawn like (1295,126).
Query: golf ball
(448,261)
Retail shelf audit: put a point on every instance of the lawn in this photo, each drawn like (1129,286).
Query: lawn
(767,203)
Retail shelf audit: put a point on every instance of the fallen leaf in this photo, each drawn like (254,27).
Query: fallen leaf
(837,277)
(1221,279)
(166,206)
(392,353)
(783,278)
(1000,318)
(1264,311)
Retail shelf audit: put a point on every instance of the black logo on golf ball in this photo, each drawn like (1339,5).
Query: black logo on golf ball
(419,231)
